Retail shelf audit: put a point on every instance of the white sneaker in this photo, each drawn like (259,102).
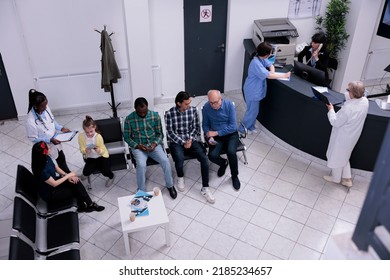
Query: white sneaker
(330,179)
(207,194)
(180,184)
(346,182)
(254,131)
(109,182)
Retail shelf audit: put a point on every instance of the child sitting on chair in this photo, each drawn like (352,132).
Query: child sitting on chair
(94,151)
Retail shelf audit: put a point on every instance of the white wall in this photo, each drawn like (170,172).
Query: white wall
(167,35)
(55,42)
(137,22)
(352,64)
(51,45)
(378,55)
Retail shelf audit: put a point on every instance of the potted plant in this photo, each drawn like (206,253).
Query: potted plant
(333,24)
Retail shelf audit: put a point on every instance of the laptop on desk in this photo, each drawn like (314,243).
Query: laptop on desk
(326,99)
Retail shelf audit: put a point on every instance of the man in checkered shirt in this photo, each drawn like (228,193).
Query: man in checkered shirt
(183,133)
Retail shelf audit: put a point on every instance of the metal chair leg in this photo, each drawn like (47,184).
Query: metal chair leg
(89,183)
(245,159)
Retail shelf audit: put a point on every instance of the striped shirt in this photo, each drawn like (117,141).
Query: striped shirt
(143,131)
(182,126)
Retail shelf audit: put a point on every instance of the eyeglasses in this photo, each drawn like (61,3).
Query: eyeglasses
(215,102)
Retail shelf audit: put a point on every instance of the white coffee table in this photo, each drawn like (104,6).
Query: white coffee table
(157,216)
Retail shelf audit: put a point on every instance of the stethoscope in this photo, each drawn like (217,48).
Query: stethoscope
(38,118)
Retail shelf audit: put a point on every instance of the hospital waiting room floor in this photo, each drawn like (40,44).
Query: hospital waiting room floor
(284,209)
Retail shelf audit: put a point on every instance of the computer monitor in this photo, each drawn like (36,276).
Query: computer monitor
(309,73)
(384,23)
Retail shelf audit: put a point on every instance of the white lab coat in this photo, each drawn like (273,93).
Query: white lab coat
(347,125)
(42,129)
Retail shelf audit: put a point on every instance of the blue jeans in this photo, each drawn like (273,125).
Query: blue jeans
(158,155)
(196,150)
(227,143)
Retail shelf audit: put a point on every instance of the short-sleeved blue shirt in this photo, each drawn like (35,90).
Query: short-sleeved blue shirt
(255,86)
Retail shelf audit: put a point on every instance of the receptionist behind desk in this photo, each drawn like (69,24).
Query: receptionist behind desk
(41,126)
(316,55)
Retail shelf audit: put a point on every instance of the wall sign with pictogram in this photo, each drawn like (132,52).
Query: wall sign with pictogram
(206,13)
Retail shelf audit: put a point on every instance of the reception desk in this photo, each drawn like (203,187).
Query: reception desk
(290,112)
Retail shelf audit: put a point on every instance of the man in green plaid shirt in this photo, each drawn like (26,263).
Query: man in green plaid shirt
(143,132)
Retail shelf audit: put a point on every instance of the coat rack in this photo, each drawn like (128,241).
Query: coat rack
(110,70)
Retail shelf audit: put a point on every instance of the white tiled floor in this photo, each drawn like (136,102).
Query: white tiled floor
(284,209)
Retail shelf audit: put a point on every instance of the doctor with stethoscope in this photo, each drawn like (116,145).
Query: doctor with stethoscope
(41,126)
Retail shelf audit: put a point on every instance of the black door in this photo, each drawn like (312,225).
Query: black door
(204,40)
(7,105)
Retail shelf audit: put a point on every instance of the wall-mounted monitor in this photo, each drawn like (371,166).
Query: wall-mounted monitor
(309,73)
(384,23)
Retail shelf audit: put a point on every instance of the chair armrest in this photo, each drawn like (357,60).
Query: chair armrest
(243,135)
(116,148)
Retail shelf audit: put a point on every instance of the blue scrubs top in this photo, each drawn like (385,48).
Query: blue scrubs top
(255,86)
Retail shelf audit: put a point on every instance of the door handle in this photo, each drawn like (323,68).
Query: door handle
(222,47)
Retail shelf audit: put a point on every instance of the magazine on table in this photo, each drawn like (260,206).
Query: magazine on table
(139,203)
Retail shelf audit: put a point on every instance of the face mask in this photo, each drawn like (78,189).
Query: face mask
(347,97)
(271,59)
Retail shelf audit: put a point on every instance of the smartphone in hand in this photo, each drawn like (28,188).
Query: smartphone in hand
(91,146)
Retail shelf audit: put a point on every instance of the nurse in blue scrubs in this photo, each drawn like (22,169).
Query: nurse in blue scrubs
(255,86)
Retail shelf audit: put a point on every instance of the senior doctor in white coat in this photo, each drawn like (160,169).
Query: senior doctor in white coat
(347,125)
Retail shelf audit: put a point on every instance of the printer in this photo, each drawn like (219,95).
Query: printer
(279,32)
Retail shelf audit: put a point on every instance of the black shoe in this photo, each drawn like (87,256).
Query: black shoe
(94,207)
(236,183)
(81,209)
(172,192)
(222,169)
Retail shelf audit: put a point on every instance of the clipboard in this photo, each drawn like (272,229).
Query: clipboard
(320,96)
(65,137)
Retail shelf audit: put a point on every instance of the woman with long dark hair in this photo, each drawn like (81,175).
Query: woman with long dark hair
(54,188)
(41,126)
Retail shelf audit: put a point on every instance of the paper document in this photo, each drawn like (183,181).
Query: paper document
(282,78)
(321,89)
(382,104)
(64,137)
